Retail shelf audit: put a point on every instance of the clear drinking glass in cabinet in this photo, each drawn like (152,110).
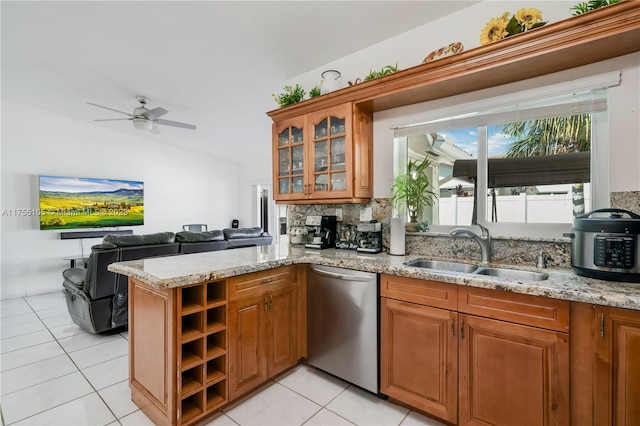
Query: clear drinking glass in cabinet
(284,185)
(298,158)
(338,153)
(283,161)
(337,125)
(338,181)
(298,184)
(320,129)
(296,135)
(321,183)
(320,156)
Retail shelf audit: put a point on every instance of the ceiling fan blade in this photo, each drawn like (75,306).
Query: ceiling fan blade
(174,124)
(155,113)
(110,109)
(154,129)
(112,119)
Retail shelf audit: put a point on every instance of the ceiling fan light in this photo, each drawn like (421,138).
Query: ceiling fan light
(142,124)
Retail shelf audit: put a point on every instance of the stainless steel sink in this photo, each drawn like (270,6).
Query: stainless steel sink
(469,268)
(512,274)
(442,265)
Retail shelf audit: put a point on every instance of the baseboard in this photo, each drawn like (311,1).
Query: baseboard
(92,234)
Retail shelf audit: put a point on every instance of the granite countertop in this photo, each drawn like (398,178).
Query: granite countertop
(181,270)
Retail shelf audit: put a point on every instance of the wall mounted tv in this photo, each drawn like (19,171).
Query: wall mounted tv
(76,203)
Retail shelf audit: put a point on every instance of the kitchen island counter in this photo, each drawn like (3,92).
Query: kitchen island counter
(182,270)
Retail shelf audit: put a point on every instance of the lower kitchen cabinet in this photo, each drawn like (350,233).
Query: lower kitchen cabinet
(263,328)
(511,374)
(605,362)
(475,356)
(419,358)
(617,384)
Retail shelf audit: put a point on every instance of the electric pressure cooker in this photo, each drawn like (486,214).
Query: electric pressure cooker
(606,247)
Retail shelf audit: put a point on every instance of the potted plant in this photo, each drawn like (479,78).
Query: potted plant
(411,189)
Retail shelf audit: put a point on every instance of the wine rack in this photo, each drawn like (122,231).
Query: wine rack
(202,339)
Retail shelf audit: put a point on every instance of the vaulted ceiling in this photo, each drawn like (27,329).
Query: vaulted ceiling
(210,63)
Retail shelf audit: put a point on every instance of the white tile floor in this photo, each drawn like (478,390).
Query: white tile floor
(53,373)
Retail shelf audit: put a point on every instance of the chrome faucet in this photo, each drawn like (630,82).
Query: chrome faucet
(484,241)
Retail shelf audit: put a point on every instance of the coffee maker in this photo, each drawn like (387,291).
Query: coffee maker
(322,232)
(369,237)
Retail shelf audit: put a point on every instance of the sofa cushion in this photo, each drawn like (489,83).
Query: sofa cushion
(233,233)
(74,277)
(192,237)
(140,240)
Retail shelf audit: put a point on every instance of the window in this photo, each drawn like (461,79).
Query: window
(524,164)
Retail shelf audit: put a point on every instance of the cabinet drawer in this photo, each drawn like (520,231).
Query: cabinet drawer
(423,292)
(258,282)
(524,309)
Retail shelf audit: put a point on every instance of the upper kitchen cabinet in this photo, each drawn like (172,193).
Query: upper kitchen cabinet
(324,156)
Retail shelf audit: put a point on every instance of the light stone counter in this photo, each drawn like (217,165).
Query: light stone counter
(177,271)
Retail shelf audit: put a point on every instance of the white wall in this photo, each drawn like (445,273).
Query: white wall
(180,187)
(254,173)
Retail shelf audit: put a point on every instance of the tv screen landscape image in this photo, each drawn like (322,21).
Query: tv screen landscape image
(74,203)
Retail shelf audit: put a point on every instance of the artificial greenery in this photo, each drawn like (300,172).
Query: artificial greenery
(412,189)
(501,27)
(585,7)
(389,69)
(291,95)
(314,92)
(423,226)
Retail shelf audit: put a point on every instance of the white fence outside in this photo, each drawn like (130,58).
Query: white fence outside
(523,208)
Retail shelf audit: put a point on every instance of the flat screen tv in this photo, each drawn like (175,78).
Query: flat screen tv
(76,203)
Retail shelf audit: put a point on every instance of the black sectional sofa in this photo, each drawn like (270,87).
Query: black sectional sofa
(97,298)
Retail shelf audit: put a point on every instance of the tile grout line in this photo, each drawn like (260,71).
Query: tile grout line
(78,370)
(67,355)
(86,378)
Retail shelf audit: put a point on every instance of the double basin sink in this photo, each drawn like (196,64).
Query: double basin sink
(444,265)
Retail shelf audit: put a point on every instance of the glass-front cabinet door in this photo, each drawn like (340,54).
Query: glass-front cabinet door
(289,159)
(331,152)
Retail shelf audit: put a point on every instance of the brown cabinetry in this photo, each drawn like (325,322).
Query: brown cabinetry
(324,156)
(474,356)
(510,367)
(178,361)
(263,327)
(617,384)
(419,346)
(605,362)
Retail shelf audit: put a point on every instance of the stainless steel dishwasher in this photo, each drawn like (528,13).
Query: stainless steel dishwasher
(342,319)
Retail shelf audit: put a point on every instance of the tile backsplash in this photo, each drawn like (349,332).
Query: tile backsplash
(510,251)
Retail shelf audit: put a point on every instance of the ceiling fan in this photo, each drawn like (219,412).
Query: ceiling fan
(144,118)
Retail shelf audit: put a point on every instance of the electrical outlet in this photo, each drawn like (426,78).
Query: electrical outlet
(366,214)
(339,215)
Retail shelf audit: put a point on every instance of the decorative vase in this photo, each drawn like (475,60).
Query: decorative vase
(331,80)
(413,215)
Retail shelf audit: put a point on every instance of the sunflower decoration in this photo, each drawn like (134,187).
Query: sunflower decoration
(502,27)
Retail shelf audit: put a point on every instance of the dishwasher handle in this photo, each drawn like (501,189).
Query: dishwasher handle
(345,277)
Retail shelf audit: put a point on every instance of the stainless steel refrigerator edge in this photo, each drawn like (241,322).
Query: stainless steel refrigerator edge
(342,320)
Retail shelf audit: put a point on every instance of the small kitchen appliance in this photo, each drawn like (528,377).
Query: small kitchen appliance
(606,247)
(369,237)
(346,237)
(322,232)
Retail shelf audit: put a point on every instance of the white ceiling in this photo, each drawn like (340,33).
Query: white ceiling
(210,63)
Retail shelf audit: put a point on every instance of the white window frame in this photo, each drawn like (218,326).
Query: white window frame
(466,116)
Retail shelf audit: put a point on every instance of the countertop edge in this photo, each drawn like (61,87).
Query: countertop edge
(562,284)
